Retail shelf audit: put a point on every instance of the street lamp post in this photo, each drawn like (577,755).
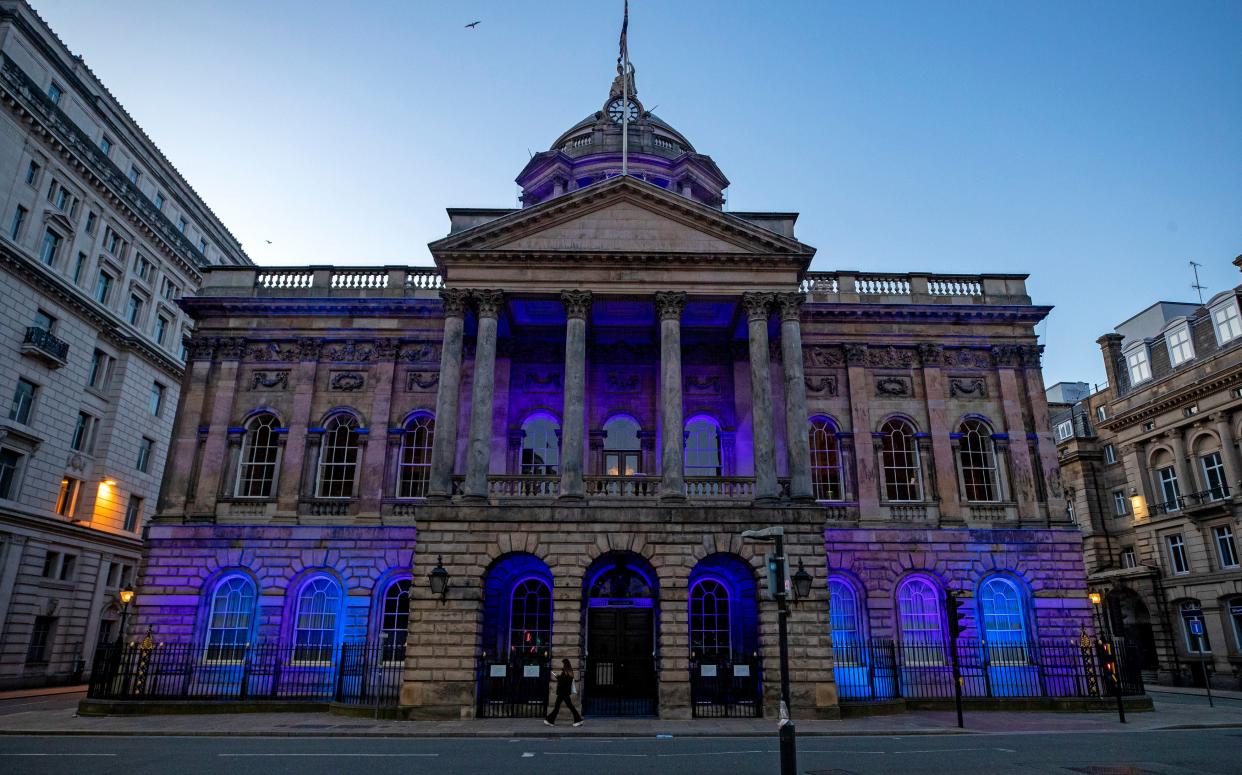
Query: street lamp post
(788,739)
(1096,601)
(126,595)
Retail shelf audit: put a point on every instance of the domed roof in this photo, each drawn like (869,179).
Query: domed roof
(597,133)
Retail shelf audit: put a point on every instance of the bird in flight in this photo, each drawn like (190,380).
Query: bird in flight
(472,25)
(268,241)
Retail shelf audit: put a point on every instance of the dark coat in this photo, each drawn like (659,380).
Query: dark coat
(564,684)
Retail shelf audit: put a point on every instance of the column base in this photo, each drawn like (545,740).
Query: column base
(439,498)
(673,497)
(571,498)
(474,498)
(766,501)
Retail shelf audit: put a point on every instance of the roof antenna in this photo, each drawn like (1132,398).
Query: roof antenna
(1195,266)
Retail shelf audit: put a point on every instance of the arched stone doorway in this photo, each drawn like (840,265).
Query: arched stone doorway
(620,604)
(723,619)
(1128,618)
(514,661)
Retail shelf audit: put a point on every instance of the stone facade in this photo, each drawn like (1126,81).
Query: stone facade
(80,203)
(1151,467)
(622,379)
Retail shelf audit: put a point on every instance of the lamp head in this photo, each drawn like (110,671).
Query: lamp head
(126,594)
(439,578)
(1095,598)
(802,583)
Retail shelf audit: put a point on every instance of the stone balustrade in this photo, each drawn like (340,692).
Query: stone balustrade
(323,281)
(871,287)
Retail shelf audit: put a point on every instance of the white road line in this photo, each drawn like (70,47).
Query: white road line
(57,754)
(527,755)
(567,753)
(364,755)
(711,753)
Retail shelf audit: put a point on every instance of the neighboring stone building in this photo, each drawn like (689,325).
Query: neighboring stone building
(100,237)
(1151,469)
(575,415)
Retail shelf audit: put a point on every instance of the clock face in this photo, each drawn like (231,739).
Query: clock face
(619,107)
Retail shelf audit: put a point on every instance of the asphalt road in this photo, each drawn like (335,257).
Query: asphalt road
(1113,753)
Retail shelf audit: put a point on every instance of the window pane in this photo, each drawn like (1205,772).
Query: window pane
(709,620)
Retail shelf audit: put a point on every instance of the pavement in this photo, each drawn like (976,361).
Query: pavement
(54,712)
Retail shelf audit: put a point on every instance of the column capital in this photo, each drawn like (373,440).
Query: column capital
(454,301)
(488,302)
(790,305)
(758,305)
(669,304)
(577,303)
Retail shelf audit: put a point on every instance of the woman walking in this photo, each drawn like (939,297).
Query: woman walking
(565,690)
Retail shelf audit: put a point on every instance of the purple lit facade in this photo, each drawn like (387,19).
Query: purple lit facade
(575,415)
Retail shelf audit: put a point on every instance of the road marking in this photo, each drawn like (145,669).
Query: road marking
(567,753)
(364,755)
(527,755)
(711,753)
(57,754)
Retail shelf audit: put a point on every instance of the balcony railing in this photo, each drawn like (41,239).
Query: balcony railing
(622,486)
(1193,502)
(915,288)
(43,345)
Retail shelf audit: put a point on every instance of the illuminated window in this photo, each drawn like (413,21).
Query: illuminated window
(709,619)
(899,461)
(414,465)
(260,447)
(1004,623)
(977,456)
(314,638)
(540,447)
(827,482)
(621,447)
(920,622)
(67,498)
(530,616)
(338,457)
(702,447)
(844,614)
(395,620)
(229,618)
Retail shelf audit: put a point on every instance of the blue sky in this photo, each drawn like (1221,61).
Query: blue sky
(1097,146)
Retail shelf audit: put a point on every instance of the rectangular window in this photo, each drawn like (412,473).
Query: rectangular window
(1128,558)
(19,219)
(1190,411)
(50,247)
(101,370)
(1150,425)
(55,92)
(78,265)
(1228,326)
(44,321)
(145,446)
(134,174)
(32,174)
(1110,454)
(103,287)
(1177,555)
(105,145)
(157,399)
(134,311)
(181,224)
(1181,349)
(1119,503)
(1065,430)
(1101,413)
(51,565)
(202,246)
(83,439)
(40,640)
(133,513)
(161,328)
(61,200)
(1226,549)
(68,562)
(143,267)
(170,289)
(67,499)
(92,221)
(23,401)
(1169,489)
(159,201)
(10,468)
(1140,369)
(112,241)
(1214,475)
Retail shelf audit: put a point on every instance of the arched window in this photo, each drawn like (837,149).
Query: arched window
(709,619)
(414,465)
(318,606)
(256,475)
(541,454)
(702,447)
(338,457)
(899,459)
(1004,623)
(530,616)
(977,457)
(621,447)
(919,621)
(395,620)
(230,618)
(843,613)
(826,469)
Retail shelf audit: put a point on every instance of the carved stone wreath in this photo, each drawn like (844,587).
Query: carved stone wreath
(346,381)
(893,387)
(269,380)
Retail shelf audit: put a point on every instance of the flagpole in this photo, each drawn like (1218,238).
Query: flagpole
(625,94)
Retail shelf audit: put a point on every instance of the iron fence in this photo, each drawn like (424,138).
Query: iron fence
(514,688)
(729,686)
(353,674)
(620,686)
(883,669)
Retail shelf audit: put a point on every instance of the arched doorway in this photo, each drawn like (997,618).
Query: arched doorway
(1128,618)
(723,618)
(514,662)
(620,601)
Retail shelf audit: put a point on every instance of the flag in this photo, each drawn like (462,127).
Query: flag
(625,25)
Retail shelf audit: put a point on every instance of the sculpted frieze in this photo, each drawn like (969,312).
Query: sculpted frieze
(616,382)
(419,352)
(825,386)
(543,382)
(823,356)
(931,354)
(350,352)
(703,386)
(973,387)
(271,351)
(855,354)
(418,381)
(967,358)
(893,387)
(890,357)
(269,380)
(346,381)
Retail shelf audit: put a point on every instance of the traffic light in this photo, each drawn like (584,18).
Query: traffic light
(955,610)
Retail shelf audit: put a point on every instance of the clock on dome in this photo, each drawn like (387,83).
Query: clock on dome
(620,109)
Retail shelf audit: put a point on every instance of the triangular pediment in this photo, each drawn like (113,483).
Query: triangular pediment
(620,215)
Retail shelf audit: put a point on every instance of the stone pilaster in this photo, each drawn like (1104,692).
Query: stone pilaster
(797,417)
(212,468)
(673,463)
(1228,451)
(293,462)
(1185,476)
(758,306)
(939,449)
(866,460)
(184,444)
(372,477)
(1022,484)
(573,418)
(478,456)
(444,441)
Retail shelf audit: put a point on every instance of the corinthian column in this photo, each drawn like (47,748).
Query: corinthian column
(796,432)
(478,455)
(448,397)
(672,449)
(758,305)
(577,307)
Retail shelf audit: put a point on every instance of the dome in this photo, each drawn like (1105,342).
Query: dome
(591,151)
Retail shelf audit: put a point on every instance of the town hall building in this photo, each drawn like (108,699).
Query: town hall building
(548,446)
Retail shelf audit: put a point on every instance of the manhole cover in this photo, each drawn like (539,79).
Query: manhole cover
(1112,769)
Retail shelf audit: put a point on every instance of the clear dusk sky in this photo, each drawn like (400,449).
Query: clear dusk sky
(1095,145)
